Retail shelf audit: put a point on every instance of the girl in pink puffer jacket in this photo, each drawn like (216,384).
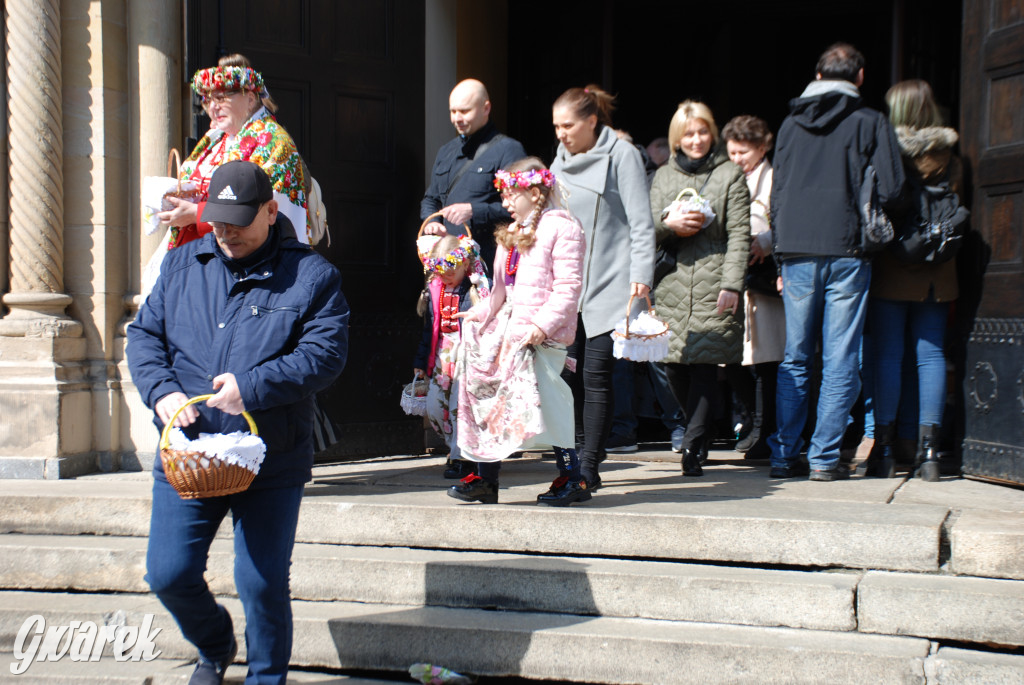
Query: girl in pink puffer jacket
(512,396)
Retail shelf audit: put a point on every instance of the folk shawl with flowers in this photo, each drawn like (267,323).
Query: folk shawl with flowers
(262,141)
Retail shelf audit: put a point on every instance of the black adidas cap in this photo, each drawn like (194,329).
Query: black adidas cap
(237,190)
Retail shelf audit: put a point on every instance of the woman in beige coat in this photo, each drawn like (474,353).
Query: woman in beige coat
(748,141)
(700,299)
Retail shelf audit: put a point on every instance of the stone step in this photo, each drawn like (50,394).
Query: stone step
(950,608)
(343,635)
(349,636)
(608,587)
(158,672)
(786,532)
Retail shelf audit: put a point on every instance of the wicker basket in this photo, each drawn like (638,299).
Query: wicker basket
(188,474)
(414,397)
(640,347)
(192,195)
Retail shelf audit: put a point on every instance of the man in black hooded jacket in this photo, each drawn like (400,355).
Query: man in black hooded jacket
(823,149)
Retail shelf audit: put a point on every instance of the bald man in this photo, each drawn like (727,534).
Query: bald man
(462,182)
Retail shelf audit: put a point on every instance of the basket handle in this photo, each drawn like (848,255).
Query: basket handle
(426,221)
(175,156)
(629,308)
(165,435)
(687,191)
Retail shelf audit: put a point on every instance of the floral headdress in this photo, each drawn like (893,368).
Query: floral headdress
(507,180)
(468,249)
(207,81)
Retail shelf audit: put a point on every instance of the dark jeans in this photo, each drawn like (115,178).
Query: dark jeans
(650,375)
(180,534)
(694,386)
(592,394)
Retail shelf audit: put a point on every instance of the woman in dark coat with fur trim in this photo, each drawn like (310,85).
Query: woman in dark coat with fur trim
(910,302)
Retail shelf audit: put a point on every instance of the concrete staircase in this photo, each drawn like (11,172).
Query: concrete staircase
(729,578)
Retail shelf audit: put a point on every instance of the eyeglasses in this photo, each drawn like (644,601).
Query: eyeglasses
(221,97)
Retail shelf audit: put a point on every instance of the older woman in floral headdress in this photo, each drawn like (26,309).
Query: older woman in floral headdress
(242,127)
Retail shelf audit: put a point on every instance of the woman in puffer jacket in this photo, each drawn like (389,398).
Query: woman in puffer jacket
(701,298)
(910,302)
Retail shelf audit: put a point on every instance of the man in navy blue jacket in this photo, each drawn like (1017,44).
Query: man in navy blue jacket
(822,151)
(256,317)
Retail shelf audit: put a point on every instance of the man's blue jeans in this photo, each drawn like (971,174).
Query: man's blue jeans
(180,534)
(920,329)
(825,299)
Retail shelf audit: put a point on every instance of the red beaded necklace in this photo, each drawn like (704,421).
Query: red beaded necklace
(511,268)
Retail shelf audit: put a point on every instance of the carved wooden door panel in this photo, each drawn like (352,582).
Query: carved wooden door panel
(348,77)
(993,144)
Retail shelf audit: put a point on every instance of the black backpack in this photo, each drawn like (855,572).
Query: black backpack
(934,226)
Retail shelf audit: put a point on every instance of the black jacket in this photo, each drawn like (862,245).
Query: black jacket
(823,147)
(476,186)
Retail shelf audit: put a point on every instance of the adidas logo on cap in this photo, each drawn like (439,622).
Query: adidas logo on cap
(227,194)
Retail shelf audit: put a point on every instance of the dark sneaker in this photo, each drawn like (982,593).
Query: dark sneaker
(473,488)
(210,673)
(744,444)
(792,471)
(838,472)
(564,492)
(593,483)
(677,439)
(621,444)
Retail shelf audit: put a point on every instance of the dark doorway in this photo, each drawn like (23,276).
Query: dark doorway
(743,57)
(348,77)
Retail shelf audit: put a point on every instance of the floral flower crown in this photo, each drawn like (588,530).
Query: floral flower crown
(506,180)
(206,81)
(467,249)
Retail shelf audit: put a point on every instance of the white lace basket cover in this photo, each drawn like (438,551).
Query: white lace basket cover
(414,397)
(688,200)
(644,339)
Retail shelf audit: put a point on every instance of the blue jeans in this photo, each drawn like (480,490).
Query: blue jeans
(825,299)
(180,534)
(920,329)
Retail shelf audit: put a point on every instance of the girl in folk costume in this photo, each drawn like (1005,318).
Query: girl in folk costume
(511,394)
(455,282)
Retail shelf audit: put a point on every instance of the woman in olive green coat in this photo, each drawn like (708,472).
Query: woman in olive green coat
(700,299)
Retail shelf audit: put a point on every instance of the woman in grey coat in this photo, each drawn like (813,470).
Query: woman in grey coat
(607,191)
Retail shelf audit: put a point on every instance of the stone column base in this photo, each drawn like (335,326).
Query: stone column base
(46,405)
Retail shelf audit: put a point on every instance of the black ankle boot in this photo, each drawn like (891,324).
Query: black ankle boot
(881,462)
(473,488)
(926,466)
(691,461)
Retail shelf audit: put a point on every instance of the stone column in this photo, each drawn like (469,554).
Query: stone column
(36,131)
(43,399)
(156,85)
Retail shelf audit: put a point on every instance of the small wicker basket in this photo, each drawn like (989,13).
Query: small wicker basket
(414,397)
(640,347)
(190,194)
(197,475)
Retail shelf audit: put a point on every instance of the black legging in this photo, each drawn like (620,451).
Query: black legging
(694,387)
(592,396)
